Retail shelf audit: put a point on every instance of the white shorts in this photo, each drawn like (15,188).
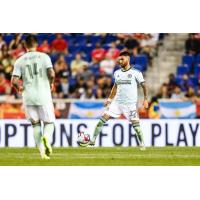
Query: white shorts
(43,113)
(128,110)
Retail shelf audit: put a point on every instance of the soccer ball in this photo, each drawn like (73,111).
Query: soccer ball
(83,139)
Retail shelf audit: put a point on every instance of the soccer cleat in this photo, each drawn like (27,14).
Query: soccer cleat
(45,157)
(92,143)
(142,147)
(48,148)
(88,144)
(84,144)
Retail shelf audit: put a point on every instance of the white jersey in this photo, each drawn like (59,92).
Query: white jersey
(32,68)
(127,85)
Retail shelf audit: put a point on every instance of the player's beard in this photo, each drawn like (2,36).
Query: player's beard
(124,64)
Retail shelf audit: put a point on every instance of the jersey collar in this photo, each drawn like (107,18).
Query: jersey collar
(127,69)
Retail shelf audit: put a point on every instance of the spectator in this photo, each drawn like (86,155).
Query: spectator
(190,94)
(132,46)
(154,109)
(15,41)
(19,51)
(100,81)
(191,44)
(7,61)
(77,89)
(86,73)
(60,65)
(99,94)
(108,81)
(3,51)
(113,52)
(198,93)
(177,93)
(5,87)
(63,86)
(171,84)
(59,45)
(163,93)
(185,83)
(107,66)
(44,47)
(77,64)
(87,94)
(2,42)
(98,54)
(90,83)
(139,36)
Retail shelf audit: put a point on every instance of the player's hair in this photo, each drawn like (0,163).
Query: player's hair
(31,40)
(124,53)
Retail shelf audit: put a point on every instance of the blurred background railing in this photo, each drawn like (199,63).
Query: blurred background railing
(11,108)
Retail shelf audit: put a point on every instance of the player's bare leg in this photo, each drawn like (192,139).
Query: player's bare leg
(37,132)
(139,134)
(98,128)
(47,135)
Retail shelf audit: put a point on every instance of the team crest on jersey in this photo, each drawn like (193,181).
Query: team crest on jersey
(129,75)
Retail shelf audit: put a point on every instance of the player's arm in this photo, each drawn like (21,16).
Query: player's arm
(51,77)
(16,74)
(15,83)
(145,92)
(112,95)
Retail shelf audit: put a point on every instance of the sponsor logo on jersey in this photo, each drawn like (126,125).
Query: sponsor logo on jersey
(123,82)
(129,75)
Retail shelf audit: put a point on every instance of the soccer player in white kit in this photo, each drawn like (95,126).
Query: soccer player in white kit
(36,71)
(123,98)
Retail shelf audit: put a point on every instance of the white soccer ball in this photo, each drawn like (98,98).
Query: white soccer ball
(83,139)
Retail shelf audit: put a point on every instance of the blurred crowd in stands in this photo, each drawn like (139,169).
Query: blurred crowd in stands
(84,63)
(185,84)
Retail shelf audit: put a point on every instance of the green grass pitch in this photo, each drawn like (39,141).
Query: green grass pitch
(113,156)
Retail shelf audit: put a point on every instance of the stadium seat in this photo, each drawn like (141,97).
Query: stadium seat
(95,69)
(73,49)
(54,57)
(106,46)
(139,67)
(132,60)
(72,81)
(194,80)
(110,38)
(8,38)
(197,71)
(95,39)
(87,49)
(182,70)
(141,60)
(197,60)
(86,57)
(187,59)
(116,68)
(69,58)
(120,46)
(80,39)
(178,80)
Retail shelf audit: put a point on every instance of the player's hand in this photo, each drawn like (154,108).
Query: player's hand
(52,86)
(20,89)
(146,104)
(107,102)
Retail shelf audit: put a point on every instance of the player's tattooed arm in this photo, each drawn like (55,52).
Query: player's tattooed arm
(15,83)
(51,77)
(112,95)
(145,92)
